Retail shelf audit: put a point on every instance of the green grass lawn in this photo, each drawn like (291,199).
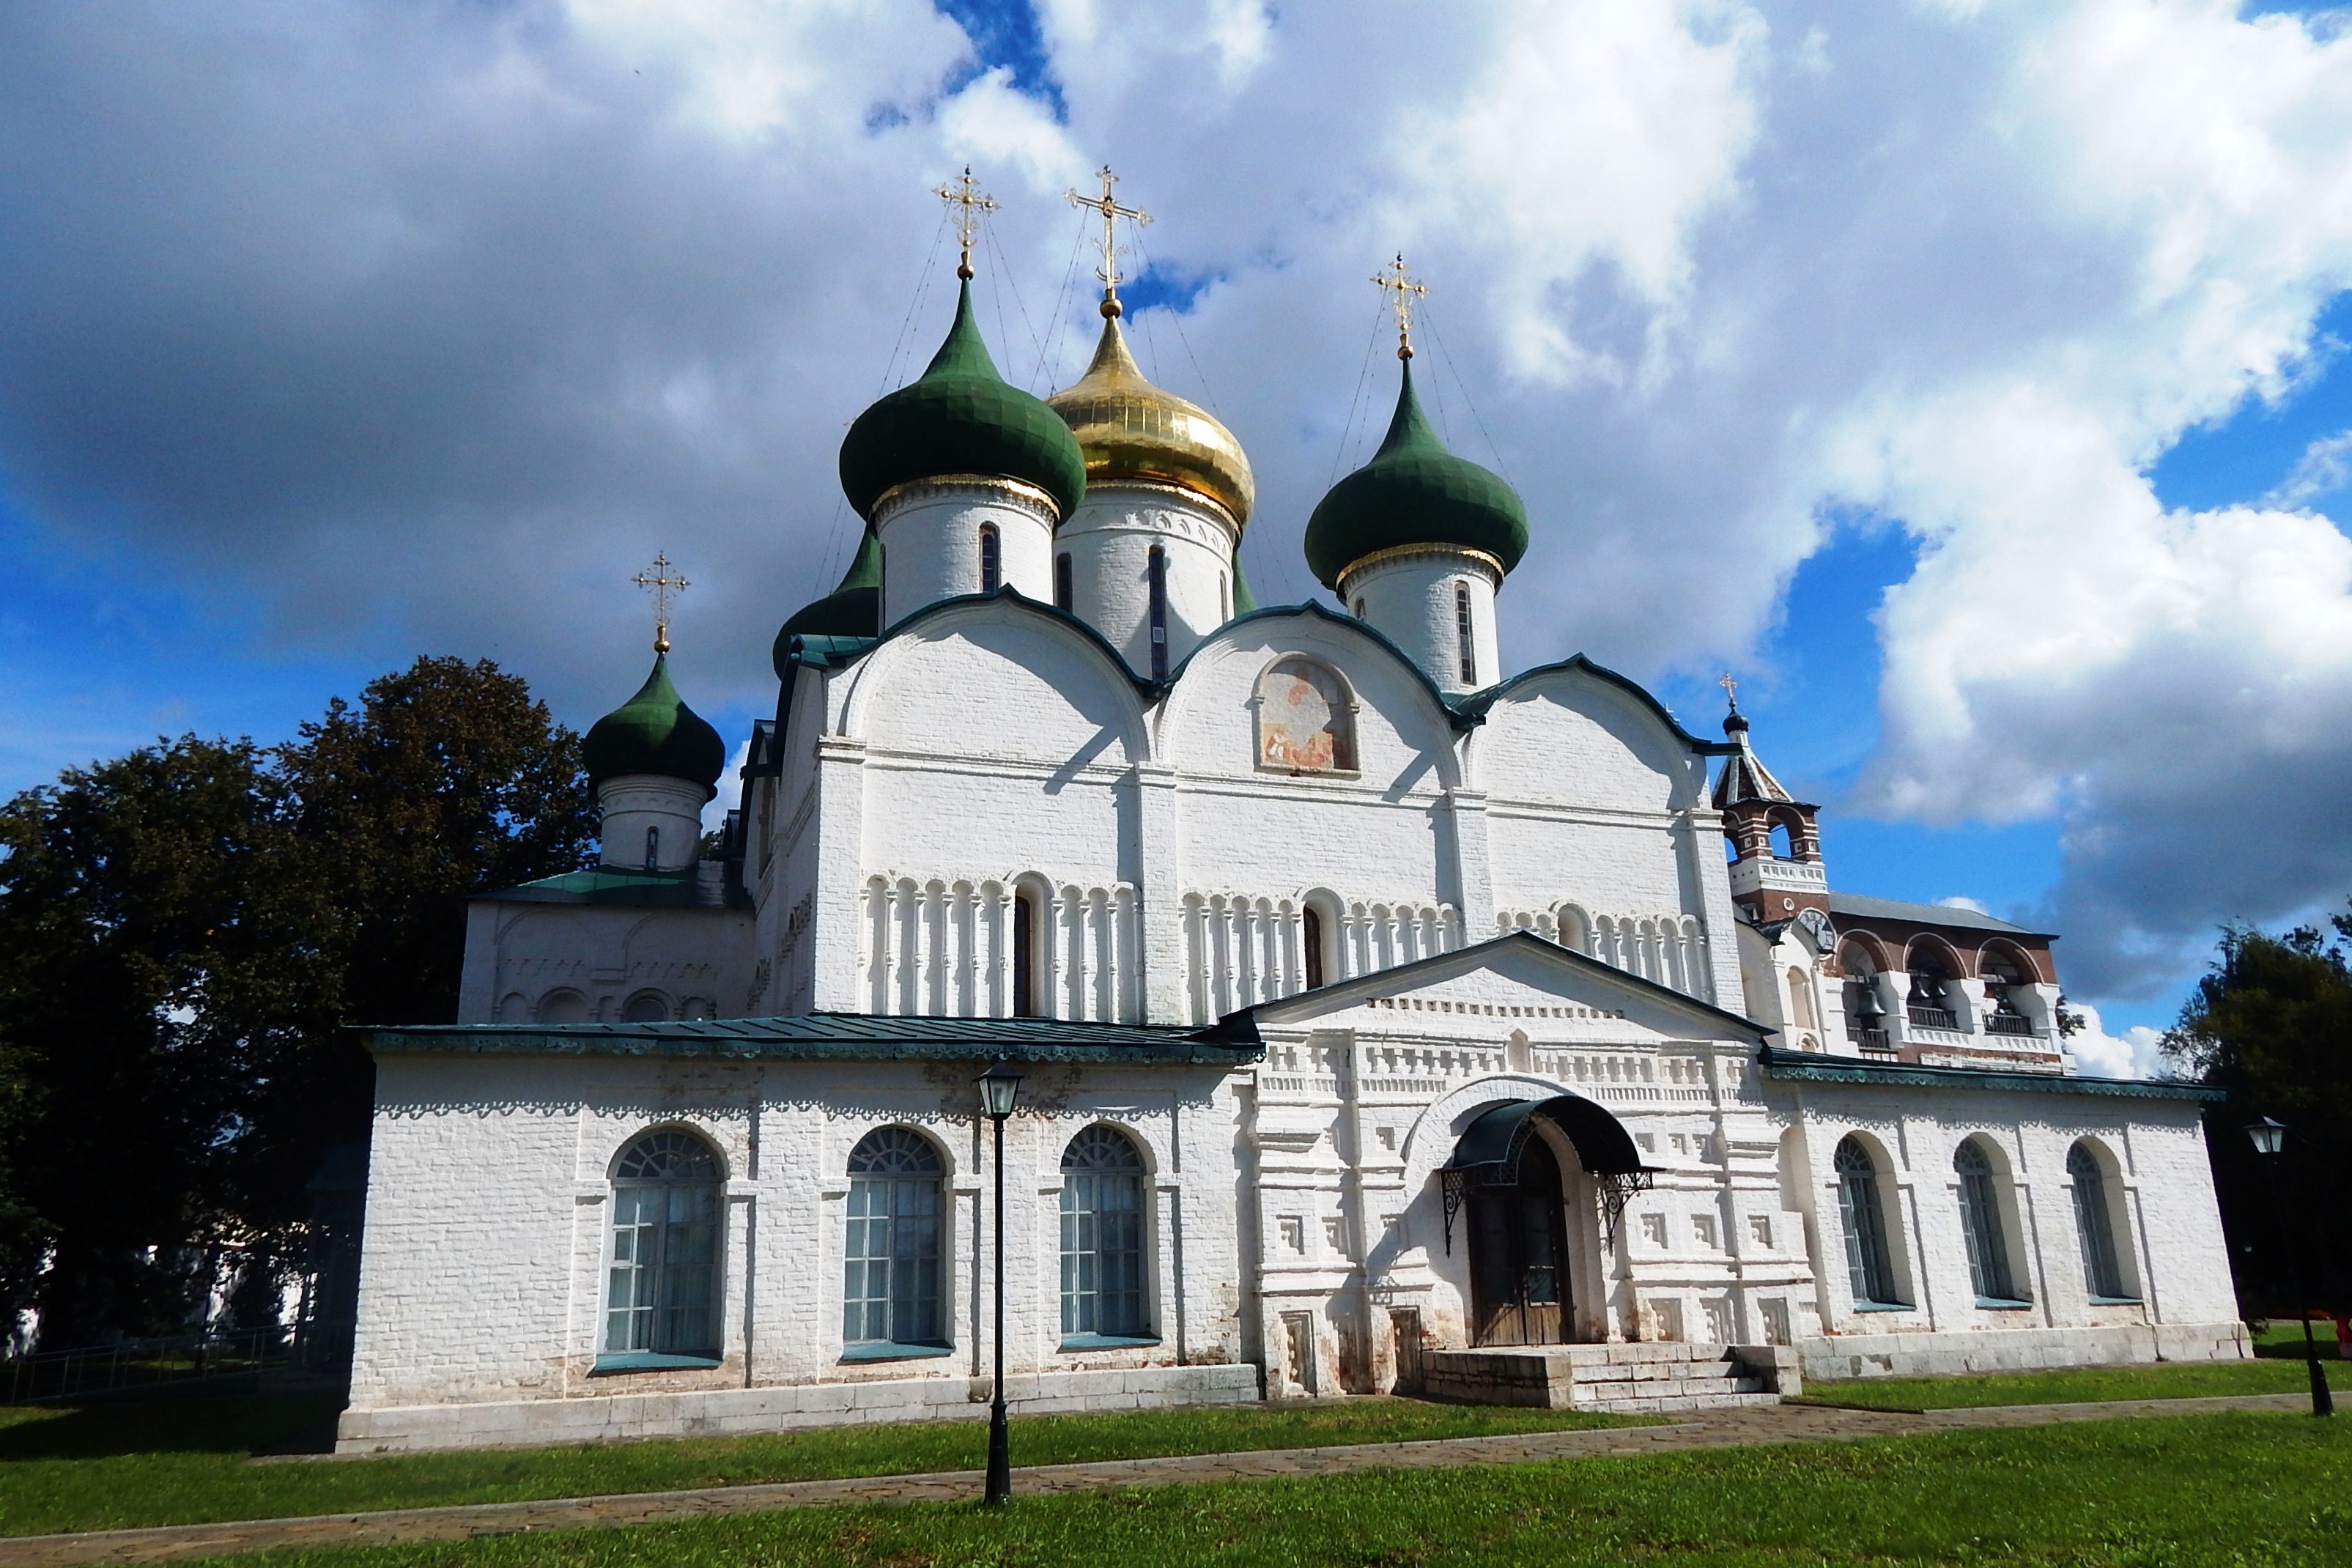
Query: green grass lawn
(2164,1380)
(2248,1491)
(188,1461)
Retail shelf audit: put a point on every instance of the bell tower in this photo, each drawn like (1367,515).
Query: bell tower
(1776,864)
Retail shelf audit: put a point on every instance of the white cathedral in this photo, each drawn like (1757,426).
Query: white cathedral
(1385,1023)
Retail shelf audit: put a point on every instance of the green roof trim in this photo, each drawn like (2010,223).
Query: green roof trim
(1244,602)
(1807,1066)
(618,885)
(854,609)
(655,732)
(1414,491)
(961,417)
(842,1037)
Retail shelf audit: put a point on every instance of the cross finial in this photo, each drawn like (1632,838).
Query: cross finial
(1730,690)
(1402,289)
(658,579)
(970,200)
(1111,212)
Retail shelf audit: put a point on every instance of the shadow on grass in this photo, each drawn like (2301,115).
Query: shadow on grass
(263,1424)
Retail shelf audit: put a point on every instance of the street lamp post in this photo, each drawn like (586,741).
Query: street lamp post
(1000,1086)
(2269,1138)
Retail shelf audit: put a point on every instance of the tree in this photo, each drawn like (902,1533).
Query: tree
(2271,1023)
(185,933)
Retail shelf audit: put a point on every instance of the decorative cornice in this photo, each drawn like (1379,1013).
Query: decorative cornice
(1802,1067)
(1018,494)
(1490,565)
(1216,510)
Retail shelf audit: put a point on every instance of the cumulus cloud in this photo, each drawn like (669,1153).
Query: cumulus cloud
(2323,469)
(428,323)
(2137,1052)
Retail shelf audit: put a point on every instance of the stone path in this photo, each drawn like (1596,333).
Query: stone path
(1730,1428)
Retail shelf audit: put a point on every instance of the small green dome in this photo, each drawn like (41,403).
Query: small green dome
(1413,491)
(959,418)
(655,732)
(854,609)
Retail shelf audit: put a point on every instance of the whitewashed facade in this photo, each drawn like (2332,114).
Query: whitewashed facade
(1300,924)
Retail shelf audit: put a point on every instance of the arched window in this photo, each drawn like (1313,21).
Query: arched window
(1159,573)
(1102,1236)
(1064,593)
(1730,848)
(1869,1270)
(1025,955)
(1800,999)
(896,1243)
(653,848)
(2103,1276)
(1926,1003)
(563,1007)
(2002,980)
(1466,647)
(1310,942)
(1782,848)
(1575,929)
(991,559)
(1303,722)
(1980,1225)
(661,1296)
(647,1007)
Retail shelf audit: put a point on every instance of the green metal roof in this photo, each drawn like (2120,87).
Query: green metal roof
(617,885)
(854,609)
(961,417)
(1414,491)
(655,732)
(842,1037)
(1806,1067)
(1857,906)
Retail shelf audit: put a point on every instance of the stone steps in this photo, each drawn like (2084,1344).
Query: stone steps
(1628,1379)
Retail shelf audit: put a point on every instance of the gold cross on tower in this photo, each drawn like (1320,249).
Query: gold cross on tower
(1111,212)
(1404,288)
(658,579)
(970,201)
(1730,690)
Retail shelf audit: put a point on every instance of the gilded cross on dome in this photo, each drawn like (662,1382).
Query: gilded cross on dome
(1111,212)
(1730,690)
(970,200)
(1402,289)
(657,577)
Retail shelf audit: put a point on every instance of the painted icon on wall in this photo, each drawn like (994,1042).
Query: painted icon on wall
(1304,725)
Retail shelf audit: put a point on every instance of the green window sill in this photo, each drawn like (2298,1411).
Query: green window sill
(1107,1342)
(649,1361)
(2117,1301)
(1884,1307)
(2002,1304)
(887,1349)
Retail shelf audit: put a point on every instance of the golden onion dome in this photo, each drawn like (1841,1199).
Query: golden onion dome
(1131,430)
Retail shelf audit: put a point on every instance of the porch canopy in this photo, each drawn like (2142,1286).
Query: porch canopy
(1487,1154)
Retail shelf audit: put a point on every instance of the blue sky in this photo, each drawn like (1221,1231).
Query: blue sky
(1913,362)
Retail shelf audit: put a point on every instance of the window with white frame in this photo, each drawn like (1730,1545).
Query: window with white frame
(894,1251)
(661,1293)
(2095,1229)
(1980,1225)
(1870,1270)
(1102,1236)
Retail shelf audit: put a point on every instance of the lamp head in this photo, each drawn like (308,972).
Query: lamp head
(2269,1136)
(1000,1088)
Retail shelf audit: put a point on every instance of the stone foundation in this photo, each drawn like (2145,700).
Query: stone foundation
(1835,1356)
(1652,1378)
(611,1417)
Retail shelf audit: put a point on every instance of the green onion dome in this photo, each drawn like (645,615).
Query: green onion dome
(655,732)
(1415,493)
(851,610)
(961,417)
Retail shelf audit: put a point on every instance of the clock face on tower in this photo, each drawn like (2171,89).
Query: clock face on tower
(1817,929)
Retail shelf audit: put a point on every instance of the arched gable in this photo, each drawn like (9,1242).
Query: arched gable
(1404,734)
(1054,692)
(1576,733)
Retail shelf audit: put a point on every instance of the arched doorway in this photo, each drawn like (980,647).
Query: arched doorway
(1518,1257)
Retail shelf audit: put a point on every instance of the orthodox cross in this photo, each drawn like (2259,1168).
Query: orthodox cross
(1402,289)
(970,201)
(658,579)
(1730,690)
(1111,212)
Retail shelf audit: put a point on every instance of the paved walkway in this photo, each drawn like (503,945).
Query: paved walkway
(1729,1429)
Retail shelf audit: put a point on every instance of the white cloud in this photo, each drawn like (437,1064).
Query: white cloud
(1962,901)
(2137,1052)
(2323,469)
